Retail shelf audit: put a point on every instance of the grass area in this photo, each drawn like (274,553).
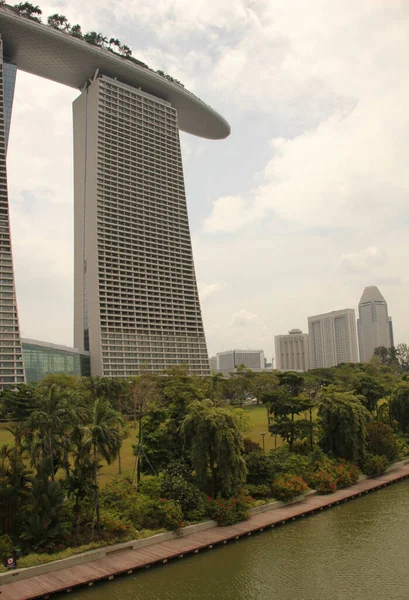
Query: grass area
(258,421)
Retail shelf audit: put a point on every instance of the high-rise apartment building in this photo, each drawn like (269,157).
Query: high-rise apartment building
(136,300)
(228,361)
(292,351)
(332,338)
(11,363)
(374,324)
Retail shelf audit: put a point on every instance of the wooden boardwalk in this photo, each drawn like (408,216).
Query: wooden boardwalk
(42,586)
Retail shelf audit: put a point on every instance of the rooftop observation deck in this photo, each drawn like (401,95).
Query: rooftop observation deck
(41,50)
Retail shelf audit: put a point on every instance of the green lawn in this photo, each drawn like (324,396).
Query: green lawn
(258,421)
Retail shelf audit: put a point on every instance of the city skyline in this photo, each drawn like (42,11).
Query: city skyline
(281,229)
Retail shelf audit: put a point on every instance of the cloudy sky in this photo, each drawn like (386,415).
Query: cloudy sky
(307,201)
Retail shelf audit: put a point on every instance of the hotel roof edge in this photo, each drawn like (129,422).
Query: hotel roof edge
(41,50)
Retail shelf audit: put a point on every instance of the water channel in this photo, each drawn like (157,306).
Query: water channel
(356,551)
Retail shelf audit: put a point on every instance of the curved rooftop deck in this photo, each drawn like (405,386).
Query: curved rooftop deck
(41,50)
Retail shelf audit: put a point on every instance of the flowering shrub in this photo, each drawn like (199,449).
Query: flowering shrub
(374,464)
(112,522)
(287,486)
(324,481)
(332,475)
(229,511)
(346,473)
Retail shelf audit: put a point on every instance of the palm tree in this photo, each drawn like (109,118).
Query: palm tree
(125,50)
(75,31)
(47,425)
(144,396)
(26,9)
(102,440)
(58,21)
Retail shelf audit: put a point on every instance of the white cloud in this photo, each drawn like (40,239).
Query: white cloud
(208,289)
(230,213)
(362,260)
(243,318)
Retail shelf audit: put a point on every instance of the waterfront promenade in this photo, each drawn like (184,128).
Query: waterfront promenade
(128,561)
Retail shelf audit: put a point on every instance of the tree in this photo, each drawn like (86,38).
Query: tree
(284,403)
(14,489)
(402,356)
(381,440)
(102,440)
(214,438)
(343,419)
(125,50)
(17,403)
(58,21)
(75,31)
(46,427)
(263,383)
(399,406)
(370,390)
(26,9)
(144,398)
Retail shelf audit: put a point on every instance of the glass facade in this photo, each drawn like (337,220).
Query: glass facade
(41,359)
(9,82)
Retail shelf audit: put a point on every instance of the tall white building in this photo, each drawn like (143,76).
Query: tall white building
(227,362)
(374,324)
(292,351)
(332,338)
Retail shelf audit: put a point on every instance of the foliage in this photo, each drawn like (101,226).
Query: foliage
(214,436)
(286,487)
(17,403)
(116,524)
(177,484)
(399,406)
(259,467)
(6,547)
(381,440)
(260,490)
(229,511)
(151,486)
(370,391)
(250,446)
(343,419)
(331,475)
(324,481)
(374,465)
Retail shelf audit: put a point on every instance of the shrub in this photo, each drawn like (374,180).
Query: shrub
(190,498)
(374,465)
(324,481)
(151,486)
(116,524)
(229,511)
(250,446)
(288,486)
(346,473)
(259,469)
(261,490)
(381,440)
(6,546)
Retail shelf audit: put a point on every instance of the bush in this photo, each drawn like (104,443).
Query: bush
(259,468)
(229,511)
(116,524)
(151,486)
(381,440)
(346,473)
(261,490)
(374,465)
(6,546)
(190,498)
(324,481)
(250,446)
(286,487)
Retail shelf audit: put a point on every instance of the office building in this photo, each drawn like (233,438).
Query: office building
(228,361)
(292,351)
(213,364)
(332,338)
(374,324)
(136,304)
(43,358)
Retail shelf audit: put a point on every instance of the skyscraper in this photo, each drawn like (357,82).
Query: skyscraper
(11,364)
(136,301)
(292,351)
(135,292)
(332,338)
(374,324)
